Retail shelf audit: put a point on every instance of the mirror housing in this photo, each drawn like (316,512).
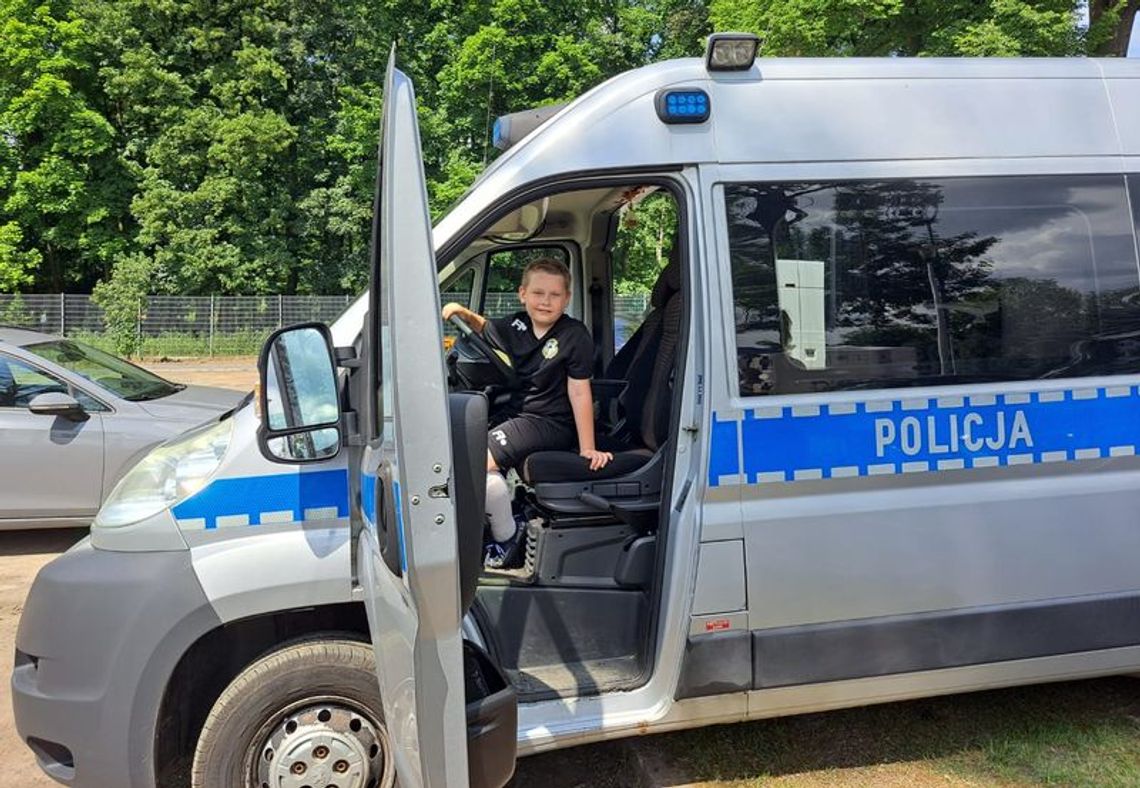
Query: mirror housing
(298,397)
(56,403)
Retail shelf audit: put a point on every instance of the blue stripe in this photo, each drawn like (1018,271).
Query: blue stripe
(252,495)
(724,454)
(400,525)
(915,435)
(368,504)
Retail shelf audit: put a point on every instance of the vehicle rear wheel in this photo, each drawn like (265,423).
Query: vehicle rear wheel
(308,714)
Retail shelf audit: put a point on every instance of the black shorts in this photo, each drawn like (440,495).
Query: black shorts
(512,441)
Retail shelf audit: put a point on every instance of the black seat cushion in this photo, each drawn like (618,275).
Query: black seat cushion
(567,466)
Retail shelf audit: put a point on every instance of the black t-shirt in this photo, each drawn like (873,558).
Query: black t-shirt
(564,351)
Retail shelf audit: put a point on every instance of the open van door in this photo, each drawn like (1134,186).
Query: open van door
(408,554)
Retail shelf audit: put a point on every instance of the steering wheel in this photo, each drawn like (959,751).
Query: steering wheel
(499,360)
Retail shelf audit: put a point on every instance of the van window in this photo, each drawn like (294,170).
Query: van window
(887,284)
(457,290)
(646,231)
(504,275)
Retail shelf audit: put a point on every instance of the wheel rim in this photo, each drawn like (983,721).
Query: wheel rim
(323,743)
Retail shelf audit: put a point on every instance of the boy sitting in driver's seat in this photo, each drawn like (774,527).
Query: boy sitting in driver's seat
(552,353)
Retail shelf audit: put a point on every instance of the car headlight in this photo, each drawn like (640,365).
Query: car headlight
(170,474)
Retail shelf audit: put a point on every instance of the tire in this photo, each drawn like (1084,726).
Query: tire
(282,710)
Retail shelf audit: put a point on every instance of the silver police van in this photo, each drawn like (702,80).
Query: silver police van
(874,439)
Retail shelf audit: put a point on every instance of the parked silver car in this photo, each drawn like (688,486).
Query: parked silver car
(74,419)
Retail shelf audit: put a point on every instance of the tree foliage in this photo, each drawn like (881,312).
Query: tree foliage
(63,192)
(175,146)
(998,28)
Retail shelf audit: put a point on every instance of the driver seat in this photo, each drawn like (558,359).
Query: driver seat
(630,485)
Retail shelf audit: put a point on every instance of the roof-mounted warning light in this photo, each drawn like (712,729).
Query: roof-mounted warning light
(509,129)
(731,51)
(690,105)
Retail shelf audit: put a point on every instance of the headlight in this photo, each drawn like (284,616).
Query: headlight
(168,475)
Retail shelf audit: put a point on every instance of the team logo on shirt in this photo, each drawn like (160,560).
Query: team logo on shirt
(550,349)
(518,325)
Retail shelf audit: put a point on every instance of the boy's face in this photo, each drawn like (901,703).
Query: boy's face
(545,297)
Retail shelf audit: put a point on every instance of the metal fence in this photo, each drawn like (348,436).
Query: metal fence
(629,311)
(224,325)
(175,325)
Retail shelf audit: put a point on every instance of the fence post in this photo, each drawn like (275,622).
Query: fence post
(62,314)
(280,310)
(138,328)
(212,325)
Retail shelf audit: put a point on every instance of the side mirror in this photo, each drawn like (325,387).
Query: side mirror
(300,406)
(56,403)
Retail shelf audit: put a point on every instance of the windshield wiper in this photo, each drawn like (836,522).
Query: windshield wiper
(147,396)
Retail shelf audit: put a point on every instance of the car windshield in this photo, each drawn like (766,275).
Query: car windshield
(112,373)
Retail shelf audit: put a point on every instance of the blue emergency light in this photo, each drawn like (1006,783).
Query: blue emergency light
(690,105)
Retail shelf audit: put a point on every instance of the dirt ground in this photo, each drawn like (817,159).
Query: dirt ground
(231,372)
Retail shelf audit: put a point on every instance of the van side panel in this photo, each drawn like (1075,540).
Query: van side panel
(901,119)
(877,554)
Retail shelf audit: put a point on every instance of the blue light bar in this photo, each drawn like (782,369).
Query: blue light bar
(500,132)
(690,105)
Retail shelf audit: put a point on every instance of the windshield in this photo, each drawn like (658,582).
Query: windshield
(114,374)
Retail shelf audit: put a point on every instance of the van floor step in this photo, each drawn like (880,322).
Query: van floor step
(577,678)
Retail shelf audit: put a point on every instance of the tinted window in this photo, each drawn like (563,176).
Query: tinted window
(20,383)
(887,284)
(89,403)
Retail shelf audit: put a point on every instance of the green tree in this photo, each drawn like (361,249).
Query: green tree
(63,190)
(121,297)
(251,127)
(475,61)
(931,27)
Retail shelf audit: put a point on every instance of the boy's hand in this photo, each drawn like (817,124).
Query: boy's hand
(452,309)
(598,459)
(476,321)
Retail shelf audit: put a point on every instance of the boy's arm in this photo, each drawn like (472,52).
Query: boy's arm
(582,403)
(473,319)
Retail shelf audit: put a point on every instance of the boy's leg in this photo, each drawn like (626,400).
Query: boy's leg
(511,442)
(498,503)
(507,445)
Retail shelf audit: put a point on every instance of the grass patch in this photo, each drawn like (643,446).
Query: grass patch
(184,343)
(1074,734)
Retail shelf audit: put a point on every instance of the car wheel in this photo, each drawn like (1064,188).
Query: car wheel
(308,714)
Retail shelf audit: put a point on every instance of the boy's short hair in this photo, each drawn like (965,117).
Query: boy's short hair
(547,265)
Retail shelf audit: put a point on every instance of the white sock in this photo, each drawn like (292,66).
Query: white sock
(499,507)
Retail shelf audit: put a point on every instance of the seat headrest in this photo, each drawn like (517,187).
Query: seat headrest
(668,281)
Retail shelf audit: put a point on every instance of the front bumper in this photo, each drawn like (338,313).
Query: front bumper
(99,637)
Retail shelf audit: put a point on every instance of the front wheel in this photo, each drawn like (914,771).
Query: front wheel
(308,714)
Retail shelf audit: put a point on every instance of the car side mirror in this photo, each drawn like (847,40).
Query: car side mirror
(299,402)
(56,403)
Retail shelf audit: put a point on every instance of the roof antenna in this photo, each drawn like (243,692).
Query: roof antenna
(490,92)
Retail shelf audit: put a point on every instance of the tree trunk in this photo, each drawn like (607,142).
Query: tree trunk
(1117,44)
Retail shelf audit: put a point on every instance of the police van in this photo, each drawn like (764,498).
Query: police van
(874,439)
